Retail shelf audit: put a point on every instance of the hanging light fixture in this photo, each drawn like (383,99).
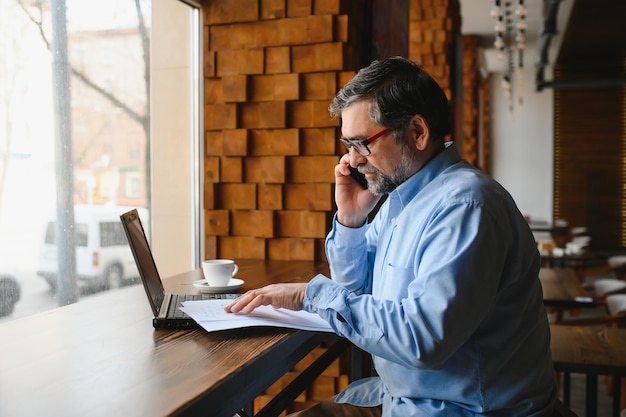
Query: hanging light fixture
(498,14)
(509,37)
(520,40)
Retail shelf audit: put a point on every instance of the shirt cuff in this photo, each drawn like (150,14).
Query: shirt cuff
(318,292)
(344,236)
(329,300)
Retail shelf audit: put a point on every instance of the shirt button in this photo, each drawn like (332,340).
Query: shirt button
(393,220)
(316,299)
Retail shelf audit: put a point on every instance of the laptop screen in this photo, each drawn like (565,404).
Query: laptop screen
(143,258)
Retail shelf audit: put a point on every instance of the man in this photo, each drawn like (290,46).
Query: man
(442,286)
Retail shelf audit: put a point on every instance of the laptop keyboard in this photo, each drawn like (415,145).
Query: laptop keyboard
(178,299)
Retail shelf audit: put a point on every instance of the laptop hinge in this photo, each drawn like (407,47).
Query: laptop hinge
(164,306)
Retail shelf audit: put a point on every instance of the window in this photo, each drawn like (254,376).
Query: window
(112,234)
(78,137)
(80,234)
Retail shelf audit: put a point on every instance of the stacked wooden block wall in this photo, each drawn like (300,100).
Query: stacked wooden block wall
(271,68)
(485,123)
(332,381)
(475,115)
(433,25)
(470,99)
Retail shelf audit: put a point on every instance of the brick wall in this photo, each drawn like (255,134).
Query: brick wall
(433,25)
(484,122)
(470,100)
(475,122)
(271,68)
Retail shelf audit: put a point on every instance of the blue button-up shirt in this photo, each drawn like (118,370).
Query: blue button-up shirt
(442,289)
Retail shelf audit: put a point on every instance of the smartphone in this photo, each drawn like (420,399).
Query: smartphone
(358,177)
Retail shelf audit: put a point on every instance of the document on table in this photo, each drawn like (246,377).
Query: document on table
(211,316)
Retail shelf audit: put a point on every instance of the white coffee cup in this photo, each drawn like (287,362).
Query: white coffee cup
(217,272)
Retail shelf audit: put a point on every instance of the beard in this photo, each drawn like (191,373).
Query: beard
(382,183)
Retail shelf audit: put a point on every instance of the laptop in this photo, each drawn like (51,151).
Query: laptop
(164,305)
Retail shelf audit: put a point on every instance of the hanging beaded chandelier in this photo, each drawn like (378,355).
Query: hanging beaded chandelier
(510,37)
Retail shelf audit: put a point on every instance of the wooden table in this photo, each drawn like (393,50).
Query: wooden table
(562,290)
(590,351)
(579,261)
(102,357)
(548,227)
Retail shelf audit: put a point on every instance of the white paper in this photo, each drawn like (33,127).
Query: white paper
(211,316)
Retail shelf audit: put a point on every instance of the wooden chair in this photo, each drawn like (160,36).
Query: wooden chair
(615,265)
(615,317)
(602,287)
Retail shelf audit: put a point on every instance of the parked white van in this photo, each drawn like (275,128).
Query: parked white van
(103,257)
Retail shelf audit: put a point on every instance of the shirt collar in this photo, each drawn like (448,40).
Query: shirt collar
(414,184)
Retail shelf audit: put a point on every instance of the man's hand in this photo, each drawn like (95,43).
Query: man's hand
(289,296)
(353,202)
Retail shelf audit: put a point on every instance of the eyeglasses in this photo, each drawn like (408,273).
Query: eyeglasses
(360,145)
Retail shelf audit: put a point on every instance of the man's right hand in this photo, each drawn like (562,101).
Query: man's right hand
(354,203)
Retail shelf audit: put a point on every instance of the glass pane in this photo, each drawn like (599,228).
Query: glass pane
(176,165)
(74,141)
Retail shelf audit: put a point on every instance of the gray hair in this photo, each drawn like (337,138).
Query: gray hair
(399,89)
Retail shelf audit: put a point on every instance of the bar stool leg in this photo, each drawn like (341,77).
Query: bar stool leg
(566,388)
(616,395)
(592,395)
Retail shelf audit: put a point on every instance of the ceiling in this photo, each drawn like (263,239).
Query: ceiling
(476,20)
(596,33)
(588,33)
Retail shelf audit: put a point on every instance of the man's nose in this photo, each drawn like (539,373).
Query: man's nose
(356,159)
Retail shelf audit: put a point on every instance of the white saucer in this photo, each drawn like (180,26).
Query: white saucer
(204,286)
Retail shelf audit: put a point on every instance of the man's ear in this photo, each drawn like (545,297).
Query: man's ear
(420,132)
